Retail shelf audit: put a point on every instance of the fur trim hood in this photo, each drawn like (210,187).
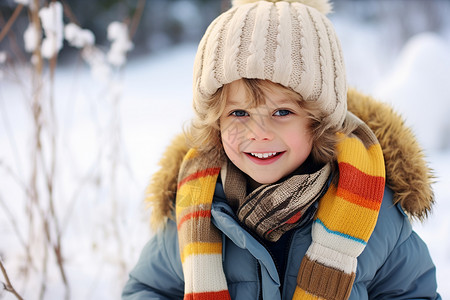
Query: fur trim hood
(407,173)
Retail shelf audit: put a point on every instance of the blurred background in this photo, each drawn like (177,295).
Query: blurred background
(166,23)
(81,131)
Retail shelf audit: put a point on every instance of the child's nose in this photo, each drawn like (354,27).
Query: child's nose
(259,129)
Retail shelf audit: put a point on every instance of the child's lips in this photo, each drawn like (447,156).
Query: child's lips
(264,158)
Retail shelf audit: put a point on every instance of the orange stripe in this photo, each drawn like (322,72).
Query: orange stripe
(221,295)
(358,200)
(359,183)
(195,214)
(201,173)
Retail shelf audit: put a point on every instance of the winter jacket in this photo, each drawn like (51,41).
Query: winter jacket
(394,265)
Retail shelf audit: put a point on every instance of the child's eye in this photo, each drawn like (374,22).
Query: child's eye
(239,113)
(282,113)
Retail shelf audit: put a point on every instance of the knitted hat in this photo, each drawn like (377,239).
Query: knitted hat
(289,42)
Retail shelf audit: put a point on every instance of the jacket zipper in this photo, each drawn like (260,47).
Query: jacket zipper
(260,296)
(260,241)
(257,238)
(286,258)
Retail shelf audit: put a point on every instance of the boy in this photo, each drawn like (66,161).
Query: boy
(282,193)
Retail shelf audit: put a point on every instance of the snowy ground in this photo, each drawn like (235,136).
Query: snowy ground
(102,241)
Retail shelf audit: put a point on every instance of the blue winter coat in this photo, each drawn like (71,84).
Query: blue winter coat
(395,264)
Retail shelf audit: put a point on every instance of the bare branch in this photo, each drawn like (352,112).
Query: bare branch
(11,21)
(8,286)
(34,19)
(136,17)
(16,50)
(69,13)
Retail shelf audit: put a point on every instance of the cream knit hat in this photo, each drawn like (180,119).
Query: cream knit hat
(288,42)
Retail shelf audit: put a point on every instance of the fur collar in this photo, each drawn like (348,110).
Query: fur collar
(407,173)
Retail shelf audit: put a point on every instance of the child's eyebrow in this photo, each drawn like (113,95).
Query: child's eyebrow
(233,103)
(281,101)
(274,102)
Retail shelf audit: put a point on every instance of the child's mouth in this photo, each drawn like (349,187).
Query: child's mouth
(265,157)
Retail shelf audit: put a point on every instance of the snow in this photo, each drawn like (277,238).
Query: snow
(78,37)
(24,2)
(52,22)
(31,38)
(121,44)
(423,63)
(100,69)
(131,118)
(435,231)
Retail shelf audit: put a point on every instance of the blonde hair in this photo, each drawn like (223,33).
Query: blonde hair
(204,130)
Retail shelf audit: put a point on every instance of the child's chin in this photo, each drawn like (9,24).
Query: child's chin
(265,180)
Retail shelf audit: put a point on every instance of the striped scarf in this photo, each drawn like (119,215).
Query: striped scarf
(271,210)
(344,221)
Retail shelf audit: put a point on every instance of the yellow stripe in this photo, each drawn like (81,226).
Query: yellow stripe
(192,153)
(196,192)
(369,161)
(300,294)
(359,220)
(196,248)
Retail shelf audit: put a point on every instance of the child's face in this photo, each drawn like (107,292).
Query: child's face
(266,142)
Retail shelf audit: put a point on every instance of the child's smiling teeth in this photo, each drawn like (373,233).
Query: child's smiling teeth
(263,155)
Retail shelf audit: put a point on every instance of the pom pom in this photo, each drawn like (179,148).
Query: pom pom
(324,6)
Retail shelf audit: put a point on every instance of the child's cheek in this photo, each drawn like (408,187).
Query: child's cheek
(298,139)
(233,133)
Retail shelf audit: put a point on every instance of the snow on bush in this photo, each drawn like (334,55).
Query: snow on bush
(100,62)
(31,38)
(63,209)
(100,69)
(121,44)
(78,37)
(52,22)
